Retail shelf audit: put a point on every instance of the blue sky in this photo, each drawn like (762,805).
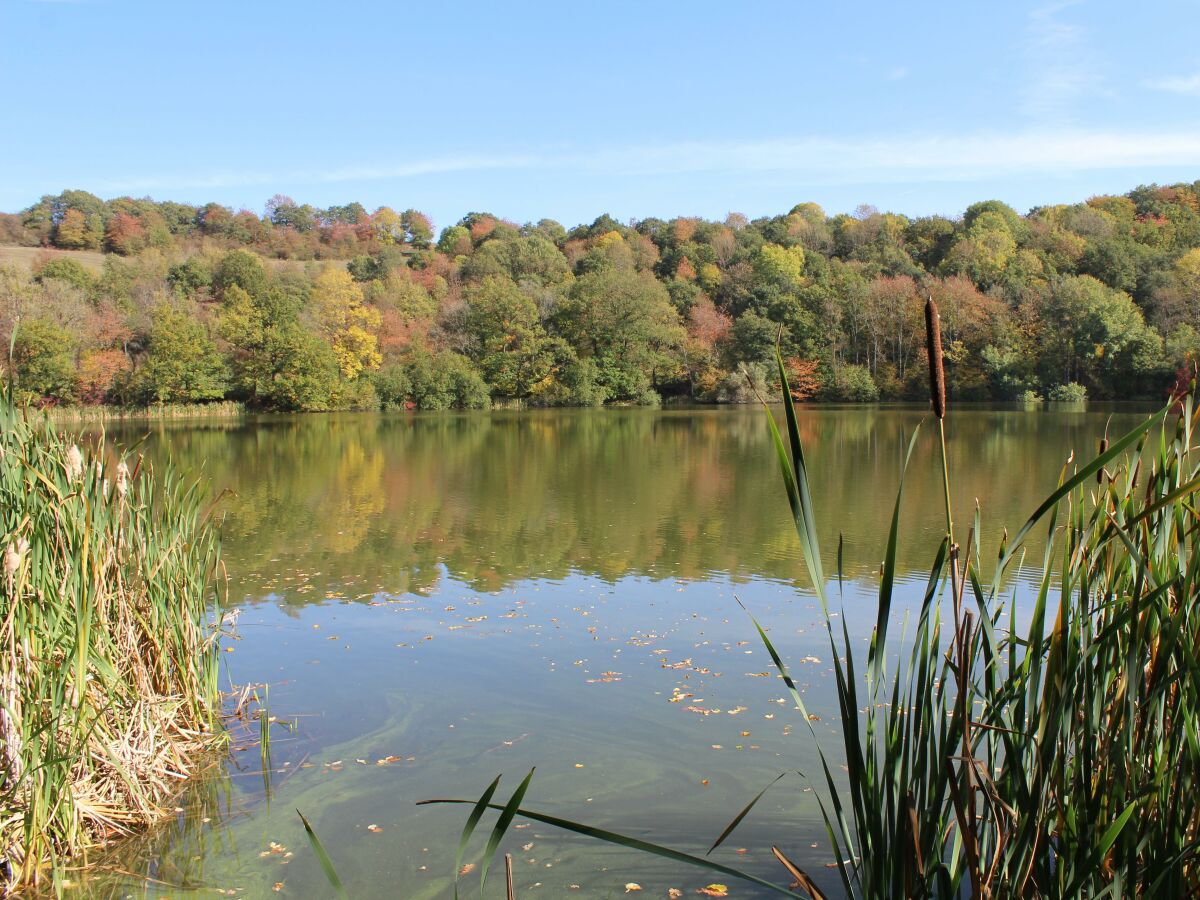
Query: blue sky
(565,110)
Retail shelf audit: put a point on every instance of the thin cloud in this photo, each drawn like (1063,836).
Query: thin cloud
(894,159)
(1181,84)
(1060,67)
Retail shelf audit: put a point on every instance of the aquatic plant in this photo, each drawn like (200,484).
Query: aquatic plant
(108,673)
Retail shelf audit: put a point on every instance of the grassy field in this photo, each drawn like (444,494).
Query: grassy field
(25,256)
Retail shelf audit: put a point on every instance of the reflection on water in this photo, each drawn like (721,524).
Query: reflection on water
(437,599)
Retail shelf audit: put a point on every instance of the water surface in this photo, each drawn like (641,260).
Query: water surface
(437,599)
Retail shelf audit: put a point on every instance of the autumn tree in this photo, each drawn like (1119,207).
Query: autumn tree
(124,235)
(72,232)
(350,327)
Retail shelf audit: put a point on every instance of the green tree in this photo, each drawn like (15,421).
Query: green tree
(241,268)
(750,340)
(624,320)
(454,241)
(1096,336)
(303,375)
(515,354)
(182,364)
(43,361)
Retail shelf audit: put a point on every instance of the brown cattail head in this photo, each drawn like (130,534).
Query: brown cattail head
(1103,450)
(937,369)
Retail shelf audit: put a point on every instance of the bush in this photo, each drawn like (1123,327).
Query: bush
(1071,392)
(447,380)
(69,270)
(190,276)
(393,387)
(850,384)
(744,386)
(358,394)
(1030,396)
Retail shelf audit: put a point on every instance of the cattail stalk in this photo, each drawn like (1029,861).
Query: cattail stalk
(937,394)
(937,368)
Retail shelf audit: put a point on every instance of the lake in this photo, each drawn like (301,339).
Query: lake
(434,600)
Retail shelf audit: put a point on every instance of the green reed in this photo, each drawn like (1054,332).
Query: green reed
(108,675)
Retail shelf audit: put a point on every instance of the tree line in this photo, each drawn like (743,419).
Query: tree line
(318,309)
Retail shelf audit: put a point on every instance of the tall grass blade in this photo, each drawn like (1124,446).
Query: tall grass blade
(501,828)
(632,843)
(737,820)
(323,858)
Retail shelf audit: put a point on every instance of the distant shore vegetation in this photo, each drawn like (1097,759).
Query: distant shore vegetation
(136,303)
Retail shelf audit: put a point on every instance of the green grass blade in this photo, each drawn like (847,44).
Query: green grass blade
(323,858)
(469,828)
(875,654)
(795,479)
(632,843)
(1084,474)
(501,827)
(737,820)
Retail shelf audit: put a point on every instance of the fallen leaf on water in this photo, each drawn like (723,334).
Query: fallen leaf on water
(374,829)
(714,890)
(527,847)
(277,886)
(632,886)
(674,893)
(467,869)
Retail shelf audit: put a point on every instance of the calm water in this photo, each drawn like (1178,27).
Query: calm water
(435,600)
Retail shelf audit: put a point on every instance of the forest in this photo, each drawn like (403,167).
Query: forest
(305,309)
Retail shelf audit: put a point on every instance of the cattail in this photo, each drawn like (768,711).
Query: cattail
(937,369)
(14,555)
(74,465)
(1103,448)
(122,479)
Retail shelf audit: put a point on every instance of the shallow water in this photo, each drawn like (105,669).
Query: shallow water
(437,599)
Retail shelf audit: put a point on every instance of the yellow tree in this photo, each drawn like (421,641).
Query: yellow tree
(351,327)
(388,227)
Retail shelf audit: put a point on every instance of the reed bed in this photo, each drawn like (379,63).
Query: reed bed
(225,409)
(983,760)
(108,673)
